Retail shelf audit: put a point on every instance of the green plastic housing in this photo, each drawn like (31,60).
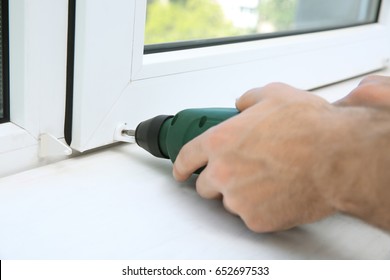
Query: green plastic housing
(186,125)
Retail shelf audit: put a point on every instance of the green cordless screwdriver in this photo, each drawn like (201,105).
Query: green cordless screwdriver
(163,136)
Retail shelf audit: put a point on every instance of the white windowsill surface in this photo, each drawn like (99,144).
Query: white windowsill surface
(122,203)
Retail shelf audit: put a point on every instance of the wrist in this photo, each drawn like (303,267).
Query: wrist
(356,179)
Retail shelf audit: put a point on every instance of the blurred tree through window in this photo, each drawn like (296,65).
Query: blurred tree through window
(169,21)
(181,20)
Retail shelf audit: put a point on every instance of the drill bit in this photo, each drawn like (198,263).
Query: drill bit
(130,133)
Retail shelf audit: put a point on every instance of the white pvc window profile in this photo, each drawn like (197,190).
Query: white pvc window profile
(115,83)
(37,41)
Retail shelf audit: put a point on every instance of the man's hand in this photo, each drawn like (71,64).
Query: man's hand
(261,161)
(291,158)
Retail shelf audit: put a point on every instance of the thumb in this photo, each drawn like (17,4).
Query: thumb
(367,95)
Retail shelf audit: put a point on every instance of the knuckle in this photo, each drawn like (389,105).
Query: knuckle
(202,190)
(249,213)
(256,224)
(271,89)
(231,204)
(277,91)
(179,171)
(212,181)
(181,159)
(275,85)
(252,91)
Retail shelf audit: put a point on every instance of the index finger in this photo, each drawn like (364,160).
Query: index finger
(277,91)
(191,157)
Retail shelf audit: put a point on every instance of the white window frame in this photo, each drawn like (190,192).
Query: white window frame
(115,83)
(37,44)
(168,63)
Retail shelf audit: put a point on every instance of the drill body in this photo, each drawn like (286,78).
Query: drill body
(163,136)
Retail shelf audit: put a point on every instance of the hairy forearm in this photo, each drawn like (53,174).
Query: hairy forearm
(358,180)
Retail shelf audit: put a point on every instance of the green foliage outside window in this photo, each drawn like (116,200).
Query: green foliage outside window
(182,20)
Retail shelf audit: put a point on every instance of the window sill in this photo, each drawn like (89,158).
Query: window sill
(12,137)
(19,150)
(121,203)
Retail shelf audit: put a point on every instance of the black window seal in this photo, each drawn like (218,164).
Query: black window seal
(70,71)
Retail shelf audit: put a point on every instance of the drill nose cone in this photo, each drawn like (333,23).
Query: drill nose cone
(147,135)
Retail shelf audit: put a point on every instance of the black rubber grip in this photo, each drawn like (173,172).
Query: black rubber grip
(147,135)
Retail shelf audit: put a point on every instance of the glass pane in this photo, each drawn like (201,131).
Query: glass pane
(172,21)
